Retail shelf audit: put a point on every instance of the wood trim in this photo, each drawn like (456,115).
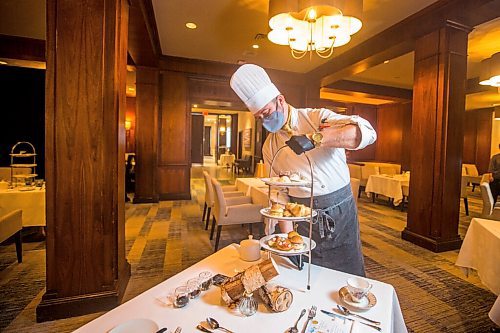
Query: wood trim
(400,38)
(151,26)
(431,243)
(175,196)
(22,48)
(372,90)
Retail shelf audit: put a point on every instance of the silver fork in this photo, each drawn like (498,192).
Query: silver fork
(310,316)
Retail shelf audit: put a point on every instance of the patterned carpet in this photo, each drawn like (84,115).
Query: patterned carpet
(163,239)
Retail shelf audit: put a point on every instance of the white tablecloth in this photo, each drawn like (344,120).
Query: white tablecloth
(226,159)
(388,185)
(481,251)
(325,284)
(32,204)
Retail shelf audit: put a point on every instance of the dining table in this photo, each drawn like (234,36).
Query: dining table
(31,200)
(156,303)
(480,251)
(390,186)
(227,160)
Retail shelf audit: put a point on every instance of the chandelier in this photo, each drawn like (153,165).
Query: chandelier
(490,71)
(313,25)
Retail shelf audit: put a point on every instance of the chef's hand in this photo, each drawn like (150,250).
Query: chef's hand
(300,144)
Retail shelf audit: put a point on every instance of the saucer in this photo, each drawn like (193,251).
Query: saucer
(366,303)
(142,325)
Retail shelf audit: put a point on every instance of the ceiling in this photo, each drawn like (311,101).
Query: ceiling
(226,31)
(227,28)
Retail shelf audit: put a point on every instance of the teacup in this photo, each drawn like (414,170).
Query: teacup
(358,288)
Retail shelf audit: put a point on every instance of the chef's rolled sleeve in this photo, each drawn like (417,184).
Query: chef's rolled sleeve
(368,134)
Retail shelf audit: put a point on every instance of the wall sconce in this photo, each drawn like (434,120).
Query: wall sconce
(222,130)
(128,125)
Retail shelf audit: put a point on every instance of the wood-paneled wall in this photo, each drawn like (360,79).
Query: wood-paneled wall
(477,138)
(393,134)
(130,116)
(185,82)
(369,113)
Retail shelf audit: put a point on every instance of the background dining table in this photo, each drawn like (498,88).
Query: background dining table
(390,186)
(480,251)
(31,202)
(154,303)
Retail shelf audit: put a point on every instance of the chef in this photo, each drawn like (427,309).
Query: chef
(323,136)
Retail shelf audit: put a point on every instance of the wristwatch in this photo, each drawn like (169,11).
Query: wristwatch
(317,139)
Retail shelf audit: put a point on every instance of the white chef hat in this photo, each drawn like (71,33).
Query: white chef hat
(253,86)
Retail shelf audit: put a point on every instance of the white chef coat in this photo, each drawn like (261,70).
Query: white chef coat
(329,165)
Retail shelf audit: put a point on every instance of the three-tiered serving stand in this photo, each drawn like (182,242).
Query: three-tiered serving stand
(22,159)
(309,218)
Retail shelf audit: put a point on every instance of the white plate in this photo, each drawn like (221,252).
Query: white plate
(271,181)
(265,212)
(293,252)
(366,303)
(141,325)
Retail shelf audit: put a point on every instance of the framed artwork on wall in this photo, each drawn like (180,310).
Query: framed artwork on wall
(247,138)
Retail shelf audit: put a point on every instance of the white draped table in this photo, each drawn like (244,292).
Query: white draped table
(388,185)
(481,251)
(32,204)
(325,284)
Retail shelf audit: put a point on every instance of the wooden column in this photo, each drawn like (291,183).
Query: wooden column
(85,144)
(437,138)
(146,134)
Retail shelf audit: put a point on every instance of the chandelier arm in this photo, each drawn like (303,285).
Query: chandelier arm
(328,52)
(297,55)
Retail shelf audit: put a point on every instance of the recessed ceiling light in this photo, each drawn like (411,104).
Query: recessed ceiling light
(131,89)
(255,46)
(195,105)
(3,62)
(387,61)
(191,25)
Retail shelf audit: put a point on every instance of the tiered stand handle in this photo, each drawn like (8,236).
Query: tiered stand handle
(310,205)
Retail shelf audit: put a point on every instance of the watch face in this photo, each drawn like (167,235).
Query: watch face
(317,137)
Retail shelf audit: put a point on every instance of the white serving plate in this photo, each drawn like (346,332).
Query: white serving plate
(293,252)
(271,181)
(141,325)
(265,212)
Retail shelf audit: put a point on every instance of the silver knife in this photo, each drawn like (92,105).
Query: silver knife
(336,315)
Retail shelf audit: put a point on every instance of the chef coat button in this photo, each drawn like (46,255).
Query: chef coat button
(322,186)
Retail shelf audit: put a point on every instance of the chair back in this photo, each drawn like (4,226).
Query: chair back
(354,170)
(10,224)
(219,200)
(471,170)
(209,190)
(406,190)
(487,199)
(463,187)
(464,170)
(388,170)
(355,188)
(368,170)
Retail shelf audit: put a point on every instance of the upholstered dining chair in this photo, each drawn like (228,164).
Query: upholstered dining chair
(10,225)
(229,191)
(489,210)
(355,188)
(366,172)
(230,211)
(463,194)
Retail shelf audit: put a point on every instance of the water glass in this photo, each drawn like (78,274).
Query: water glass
(205,279)
(194,287)
(181,297)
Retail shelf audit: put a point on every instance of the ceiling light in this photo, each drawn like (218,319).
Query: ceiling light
(313,25)
(191,25)
(255,46)
(195,105)
(131,89)
(490,71)
(386,62)
(3,62)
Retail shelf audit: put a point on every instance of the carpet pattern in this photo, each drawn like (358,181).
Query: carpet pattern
(165,238)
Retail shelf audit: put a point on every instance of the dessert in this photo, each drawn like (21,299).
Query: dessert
(276,210)
(284,245)
(293,233)
(283,179)
(295,177)
(297,242)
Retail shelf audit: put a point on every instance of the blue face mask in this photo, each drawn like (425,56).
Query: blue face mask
(275,121)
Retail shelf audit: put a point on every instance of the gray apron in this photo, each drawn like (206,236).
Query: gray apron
(335,231)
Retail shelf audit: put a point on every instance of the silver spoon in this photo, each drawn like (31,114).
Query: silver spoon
(294,329)
(346,312)
(214,324)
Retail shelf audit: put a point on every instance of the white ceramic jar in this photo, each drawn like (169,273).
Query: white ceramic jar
(250,249)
